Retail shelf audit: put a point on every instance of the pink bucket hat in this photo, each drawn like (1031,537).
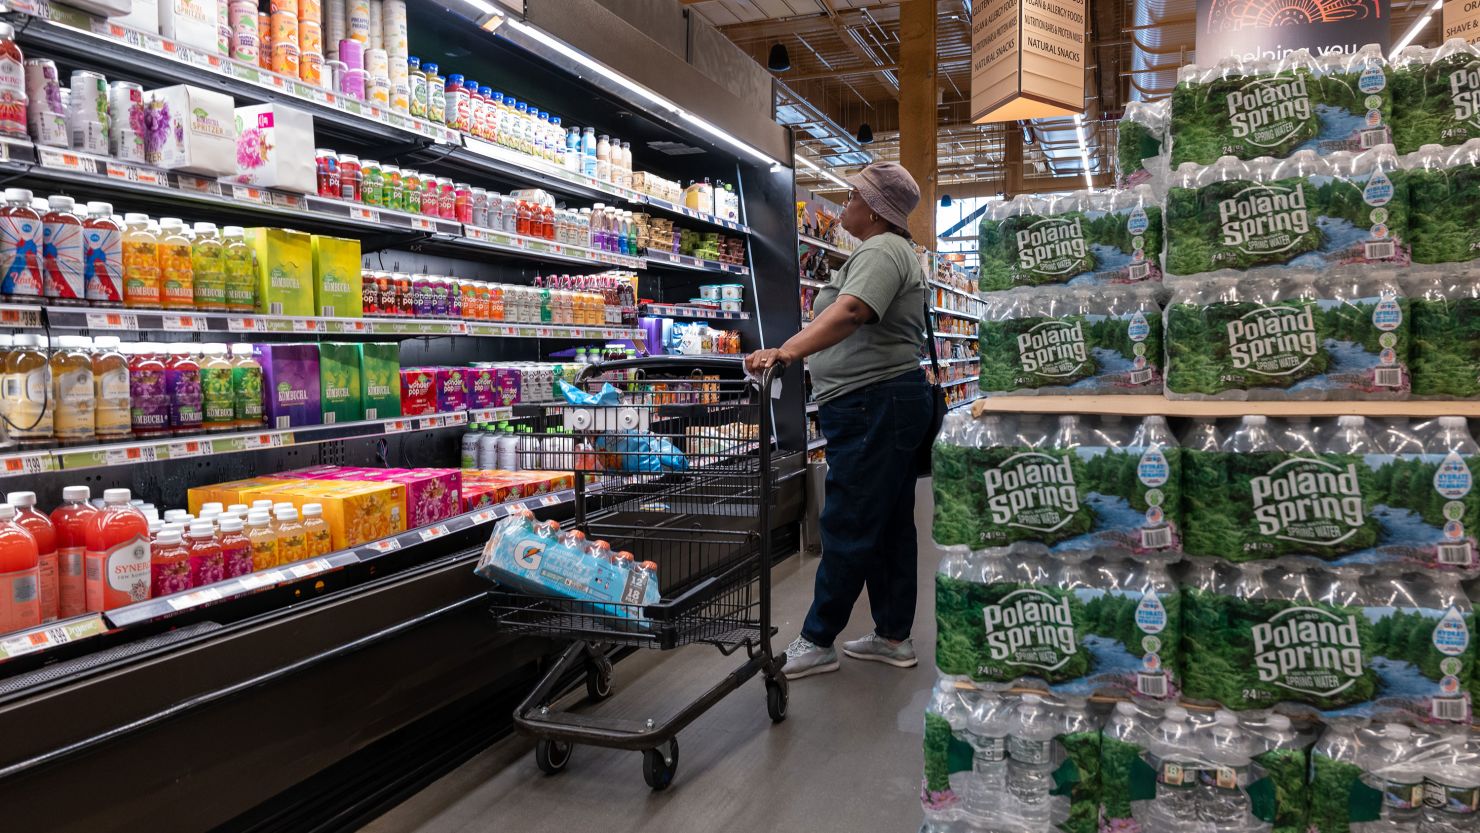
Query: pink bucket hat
(889,190)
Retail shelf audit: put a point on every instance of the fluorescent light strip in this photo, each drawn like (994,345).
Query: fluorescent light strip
(1089,180)
(821,170)
(482,6)
(1418,26)
(636,88)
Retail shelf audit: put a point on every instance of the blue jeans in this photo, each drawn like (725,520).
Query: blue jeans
(868,512)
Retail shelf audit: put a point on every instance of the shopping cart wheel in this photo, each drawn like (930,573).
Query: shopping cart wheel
(598,679)
(551,756)
(658,765)
(776,696)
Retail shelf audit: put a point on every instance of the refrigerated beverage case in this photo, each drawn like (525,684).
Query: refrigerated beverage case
(237,270)
(169,562)
(62,253)
(316,530)
(102,252)
(20,247)
(116,564)
(44,532)
(175,269)
(209,282)
(72,389)
(20,600)
(112,419)
(70,521)
(141,280)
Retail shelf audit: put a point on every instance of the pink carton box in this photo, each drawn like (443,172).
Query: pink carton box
(432,495)
(452,389)
(483,391)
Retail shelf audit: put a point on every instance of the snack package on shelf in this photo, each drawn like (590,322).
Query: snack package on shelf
(1071,341)
(536,557)
(1335,102)
(1306,213)
(1348,492)
(1072,485)
(1083,239)
(1345,335)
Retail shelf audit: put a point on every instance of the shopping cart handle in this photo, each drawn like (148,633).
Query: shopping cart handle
(690,598)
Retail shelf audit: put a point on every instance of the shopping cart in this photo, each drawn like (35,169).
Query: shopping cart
(680,474)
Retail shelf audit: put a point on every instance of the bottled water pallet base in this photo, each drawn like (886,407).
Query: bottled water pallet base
(1160,406)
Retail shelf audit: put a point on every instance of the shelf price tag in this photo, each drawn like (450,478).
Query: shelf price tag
(369,215)
(246,193)
(51,636)
(482,516)
(551,500)
(197,184)
(61,159)
(517,507)
(256,581)
(397,426)
(433,532)
(180,451)
(308,568)
(264,441)
(422,224)
(148,176)
(112,321)
(195,598)
(20,317)
(184,322)
(132,454)
(113,170)
(29,464)
(384,546)
(246,325)
(305,325)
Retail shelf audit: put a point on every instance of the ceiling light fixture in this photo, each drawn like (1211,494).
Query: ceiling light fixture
(945,200)
(865,134)
(780,59)
(1413,30)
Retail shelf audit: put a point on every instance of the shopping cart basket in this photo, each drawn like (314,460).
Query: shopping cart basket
(680,475)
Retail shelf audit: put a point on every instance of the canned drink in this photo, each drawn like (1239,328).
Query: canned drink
(264,40)
(394,189)
(447,198)
(411,191)
(349,177)
(311,68)
(385,289)
(369,294)
(462,202)
(87,111)
(246,40)
(285,59)
(327,162)
(353,83)
(431,204)
(284,27)
(45,112)
(372,183)
(126,111)
(480,207)
(310,36)
(404,305)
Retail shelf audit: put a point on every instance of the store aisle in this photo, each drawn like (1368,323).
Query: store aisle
(846,759)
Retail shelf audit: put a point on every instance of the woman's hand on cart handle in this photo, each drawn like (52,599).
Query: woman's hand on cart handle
(761,360)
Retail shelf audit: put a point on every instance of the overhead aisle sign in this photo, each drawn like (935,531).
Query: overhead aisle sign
(1027,59)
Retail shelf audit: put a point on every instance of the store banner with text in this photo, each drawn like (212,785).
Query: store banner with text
(1462,20)
(1027,59)
(1270,29)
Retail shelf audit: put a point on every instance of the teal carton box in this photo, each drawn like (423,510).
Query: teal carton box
(380,379)
(339,382)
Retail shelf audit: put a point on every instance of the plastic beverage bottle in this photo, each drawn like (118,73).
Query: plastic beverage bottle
(70,520)
(141,280)
(1173,753)
(236,547)
(1252,435)
(41,529)
(218,398)
(20,567)
(588,153)
(117,561)
(1350,437)
(508,449)
(1451,789)
(1030,761)
(206,268)
(1386,768)
(112,419)
(529,450)
(1203,435)
(72,389)
(263,540)
(237,270)
(1452,434)
(102,268)
(1222,800)
(62,253)
(20,247)
(987,721)
(246,388)
(182,380)
(175,269)
(25,393)
(149,394)
(470,447)
(604,159)
(206,563)
(169,562)
(316,530)
(292,542)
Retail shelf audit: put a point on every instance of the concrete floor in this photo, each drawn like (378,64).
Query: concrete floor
(846,759)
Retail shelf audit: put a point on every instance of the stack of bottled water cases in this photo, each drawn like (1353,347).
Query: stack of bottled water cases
(1262,626)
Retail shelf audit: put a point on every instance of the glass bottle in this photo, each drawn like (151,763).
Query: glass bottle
(70,520)
(141,281)
(416,88)
(182,379)
(246,388)
(112,419)
(436,94)
(149,393)
(45,534)
(116,563)
(72,389)
(175,269)
(206,268)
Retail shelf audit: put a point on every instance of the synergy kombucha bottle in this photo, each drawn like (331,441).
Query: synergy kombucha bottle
(116,564)
(71,520)
(20,602)
(45,534)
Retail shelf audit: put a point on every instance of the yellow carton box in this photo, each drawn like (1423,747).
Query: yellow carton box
(225,493)
(359,513)
(285,284)
(336,277)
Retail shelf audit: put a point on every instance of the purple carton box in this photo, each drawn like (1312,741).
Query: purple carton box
(290,384)
(509,381)
(483,388)
(452,389)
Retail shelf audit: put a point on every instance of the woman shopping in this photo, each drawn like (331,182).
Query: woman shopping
(875,410)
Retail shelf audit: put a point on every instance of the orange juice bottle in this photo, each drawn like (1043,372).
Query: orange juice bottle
(177,276)
(263,540)
(71,520)
(45,534)
(20,566)
(116,563)
(141,281)
(320,542)
(292,542)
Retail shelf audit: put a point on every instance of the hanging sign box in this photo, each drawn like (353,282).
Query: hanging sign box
(1462,20)
(1027,59)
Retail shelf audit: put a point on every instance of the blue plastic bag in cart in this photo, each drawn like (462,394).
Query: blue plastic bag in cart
(608,395)
(632,452)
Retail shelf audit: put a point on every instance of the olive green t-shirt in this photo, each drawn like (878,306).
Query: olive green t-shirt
(885,274)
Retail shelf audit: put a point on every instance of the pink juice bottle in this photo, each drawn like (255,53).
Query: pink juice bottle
(207,564)
(169,563)
(116,564)
(71,521)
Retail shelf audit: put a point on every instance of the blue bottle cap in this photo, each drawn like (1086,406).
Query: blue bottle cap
(486,92)
(413,62)
(544,115)
(431,69)
(454,79)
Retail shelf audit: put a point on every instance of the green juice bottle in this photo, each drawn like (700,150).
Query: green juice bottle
(218,402)
(246,387)
(205,264)
(237,268)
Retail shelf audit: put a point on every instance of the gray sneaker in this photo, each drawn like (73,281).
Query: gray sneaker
(803,659)
(876,648)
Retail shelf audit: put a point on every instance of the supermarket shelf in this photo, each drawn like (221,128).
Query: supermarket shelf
(1150,405)
(20,316)
(687,311)
(969,379)
(541,249)
(952,289)
(939,334)
(689,213)
(926,362)
(73,458)
(823,245)
(656,257)
(963,403)
(957,313)
(813,445)
(813,284)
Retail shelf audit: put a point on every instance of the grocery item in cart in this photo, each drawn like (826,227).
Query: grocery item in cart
(534,557)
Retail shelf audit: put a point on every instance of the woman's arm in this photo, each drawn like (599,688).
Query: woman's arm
(836,323)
